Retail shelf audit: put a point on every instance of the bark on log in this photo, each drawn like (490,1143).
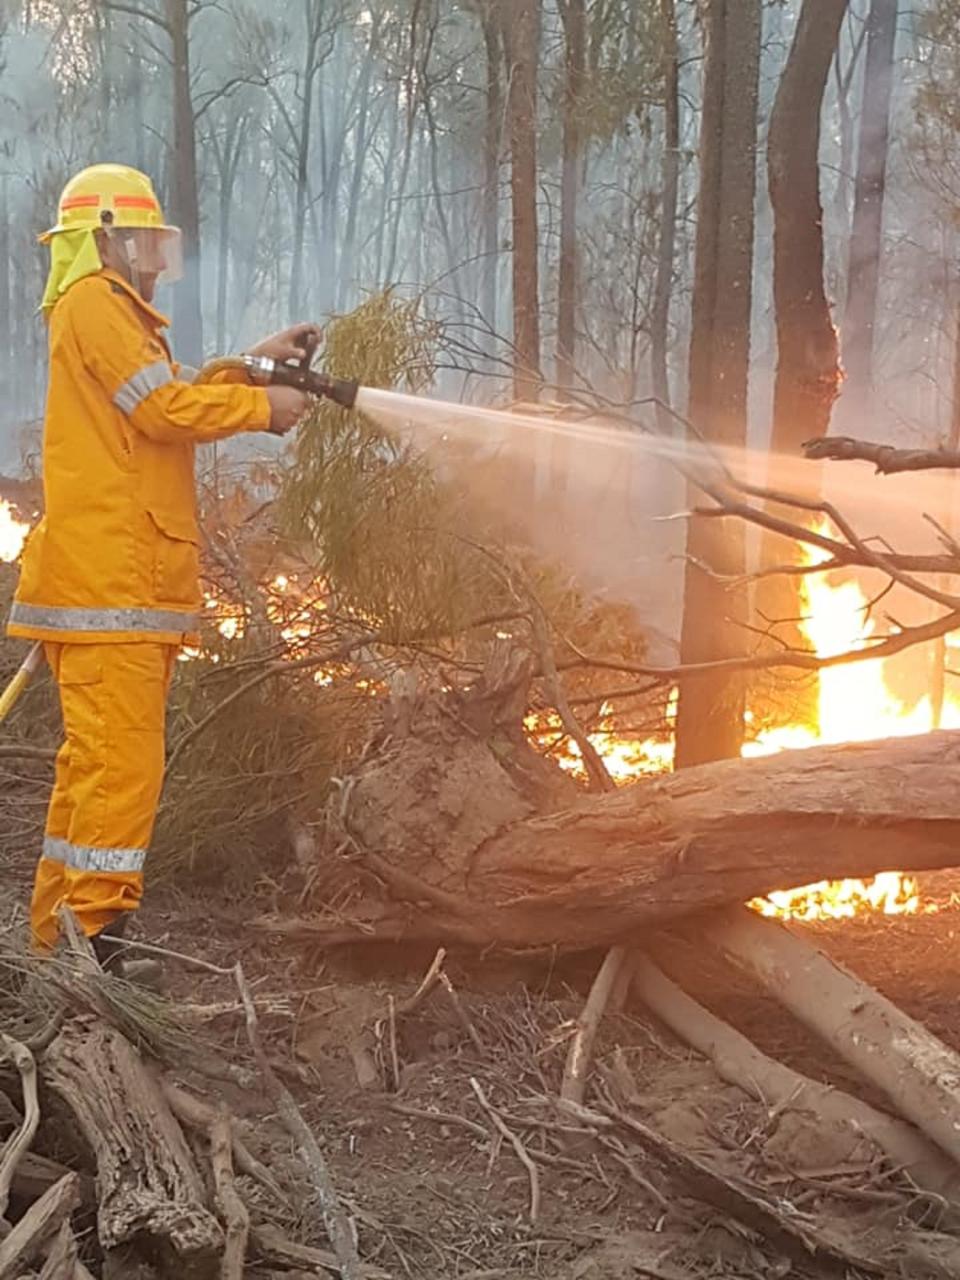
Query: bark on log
(738,1061)
(916,1071)
(150,1190)
(604,867)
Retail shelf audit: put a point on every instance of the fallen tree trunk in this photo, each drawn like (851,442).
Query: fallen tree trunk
(916,1071)
(150,1191)
(455,817)
(738,1061)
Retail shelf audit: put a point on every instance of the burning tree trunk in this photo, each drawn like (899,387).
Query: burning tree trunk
(808,369)
(710,712)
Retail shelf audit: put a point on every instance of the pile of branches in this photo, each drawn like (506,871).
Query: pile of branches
(114,1163)
(157,1169)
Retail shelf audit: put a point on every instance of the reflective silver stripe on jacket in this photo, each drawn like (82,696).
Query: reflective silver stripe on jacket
(83,857)
(65,618)
(143,383)
(188,373)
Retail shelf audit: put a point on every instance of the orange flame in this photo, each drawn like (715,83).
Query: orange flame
(855,703)
(13,534)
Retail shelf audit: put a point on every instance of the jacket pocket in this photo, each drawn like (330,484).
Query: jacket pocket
(176,559)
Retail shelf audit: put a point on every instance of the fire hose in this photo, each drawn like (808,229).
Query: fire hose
(263,371)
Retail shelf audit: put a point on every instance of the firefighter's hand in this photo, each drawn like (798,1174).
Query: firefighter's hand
(290,344)
(287,407)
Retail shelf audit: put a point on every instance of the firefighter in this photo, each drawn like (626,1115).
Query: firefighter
(110,576)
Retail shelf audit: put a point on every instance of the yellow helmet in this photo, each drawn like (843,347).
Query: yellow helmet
(108,195)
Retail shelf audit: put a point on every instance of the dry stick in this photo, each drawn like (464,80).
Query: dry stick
(274,1247)
(522,1154)
(77,941)
(13,751)
(20,1142)
(335,1220)
(197,1114)
(440,1117)
(740,1062)
(63,1260)
(577,1067)
(462,1016)
(599,776)
(150,948)
(233,1212)
(797,1236)
(428,982)
(38,1224)
(394,1055)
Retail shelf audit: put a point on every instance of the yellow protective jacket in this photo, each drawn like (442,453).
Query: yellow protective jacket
(116,555)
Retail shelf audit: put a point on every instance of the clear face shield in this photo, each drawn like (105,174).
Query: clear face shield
(152,251)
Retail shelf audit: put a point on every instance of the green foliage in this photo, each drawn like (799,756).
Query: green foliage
(623,78)
(382,527)
(937,99)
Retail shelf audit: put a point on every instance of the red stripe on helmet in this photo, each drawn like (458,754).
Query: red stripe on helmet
(81,202)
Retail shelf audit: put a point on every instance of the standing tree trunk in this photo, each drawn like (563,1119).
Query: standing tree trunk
(187,311)
(521,33)
(361,145)
(808,366)
(938,679)
(710,710)
(573,13)
(6,333)
(660,312)
(313,14)
(228,155)
(866,238)
(808,373)
(492,139)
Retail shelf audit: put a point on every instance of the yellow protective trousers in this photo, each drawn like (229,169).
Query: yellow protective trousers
(109,775)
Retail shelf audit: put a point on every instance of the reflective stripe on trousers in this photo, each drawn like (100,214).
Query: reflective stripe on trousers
(109,774)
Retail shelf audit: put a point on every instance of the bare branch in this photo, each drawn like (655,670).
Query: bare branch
(886,459)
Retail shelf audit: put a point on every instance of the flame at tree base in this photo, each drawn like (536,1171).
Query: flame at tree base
(854,704)
(888,893)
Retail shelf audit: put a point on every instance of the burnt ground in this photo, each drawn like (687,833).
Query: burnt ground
(438,1198)
(437,1192)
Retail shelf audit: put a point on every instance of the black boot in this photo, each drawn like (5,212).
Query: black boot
(114,957)
(108,943)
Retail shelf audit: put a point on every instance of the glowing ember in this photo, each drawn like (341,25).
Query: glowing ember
(13,534)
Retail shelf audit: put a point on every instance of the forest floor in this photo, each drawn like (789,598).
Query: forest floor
(436,1191)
